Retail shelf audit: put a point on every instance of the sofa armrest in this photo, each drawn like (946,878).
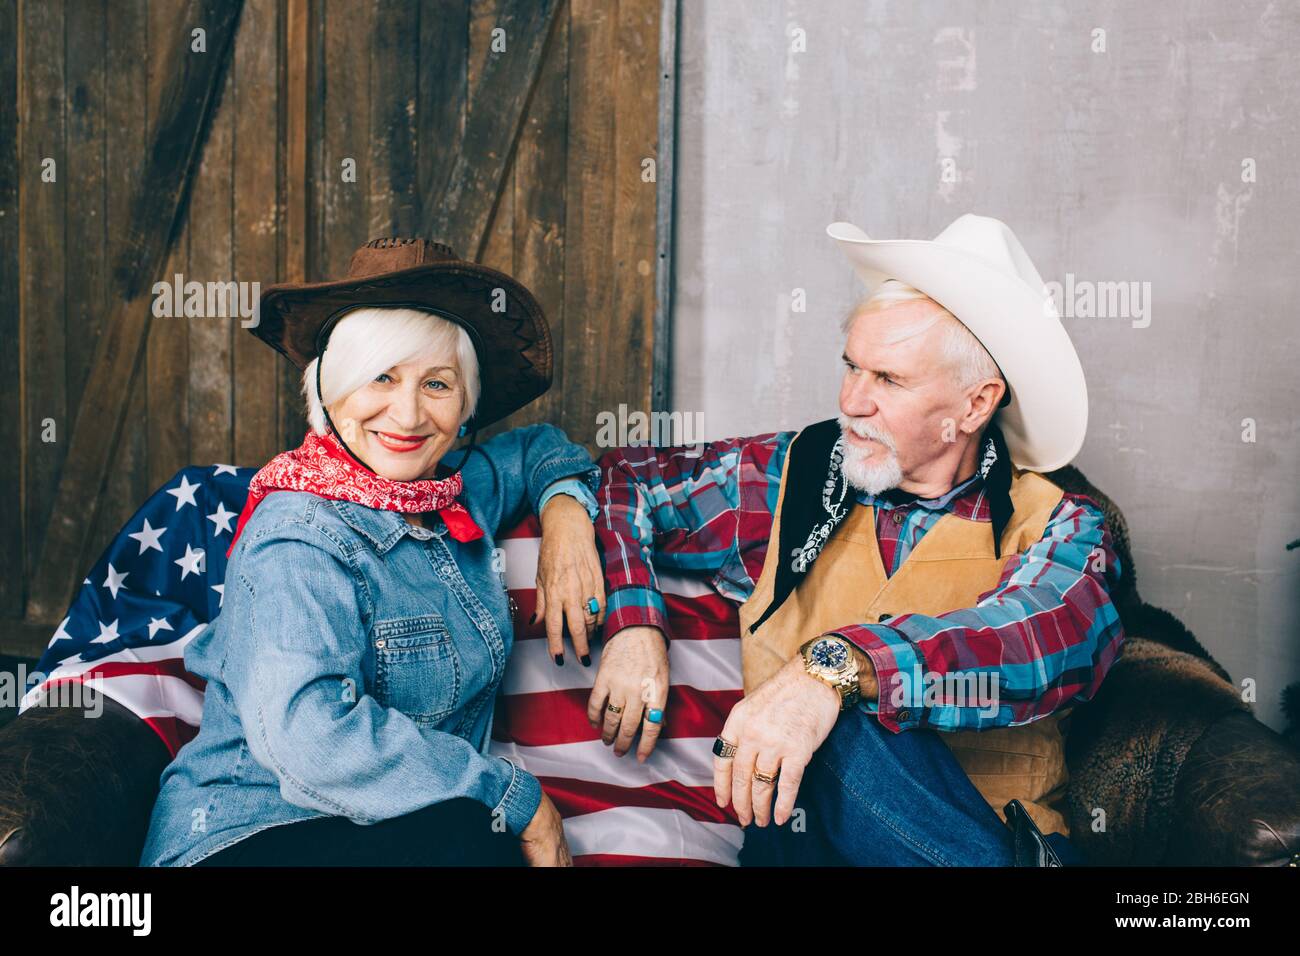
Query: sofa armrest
(77,789)
(1238,798)
(1126,749)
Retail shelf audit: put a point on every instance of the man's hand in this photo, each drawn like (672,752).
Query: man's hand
(633,675)
(777,728)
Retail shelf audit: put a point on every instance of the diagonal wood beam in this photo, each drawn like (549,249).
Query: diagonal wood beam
(460,211)
(185,112)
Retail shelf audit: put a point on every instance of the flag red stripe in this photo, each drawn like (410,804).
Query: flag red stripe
(574,797)
(167,667)
(560,716)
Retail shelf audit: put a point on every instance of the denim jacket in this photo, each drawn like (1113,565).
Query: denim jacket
(354,668)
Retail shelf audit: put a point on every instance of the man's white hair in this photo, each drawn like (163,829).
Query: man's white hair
(370,340)
(959,348)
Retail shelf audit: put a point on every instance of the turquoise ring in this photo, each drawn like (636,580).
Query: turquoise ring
(654,715)
(593,606)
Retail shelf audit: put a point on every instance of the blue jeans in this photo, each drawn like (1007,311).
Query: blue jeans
(875,798)
(456,832)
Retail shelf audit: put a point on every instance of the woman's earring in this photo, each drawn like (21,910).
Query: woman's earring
(464,430)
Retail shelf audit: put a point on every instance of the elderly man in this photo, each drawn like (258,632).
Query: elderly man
(920,606)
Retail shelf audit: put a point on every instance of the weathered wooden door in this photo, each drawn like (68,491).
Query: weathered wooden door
(264,141)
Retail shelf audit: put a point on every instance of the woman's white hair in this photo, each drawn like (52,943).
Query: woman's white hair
(959,348)
(370,340)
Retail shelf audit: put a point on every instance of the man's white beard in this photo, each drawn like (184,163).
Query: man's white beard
(870,471)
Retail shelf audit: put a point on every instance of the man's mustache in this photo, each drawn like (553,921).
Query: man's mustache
(865,429)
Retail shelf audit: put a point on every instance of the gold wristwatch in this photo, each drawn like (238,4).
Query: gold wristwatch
(832,661)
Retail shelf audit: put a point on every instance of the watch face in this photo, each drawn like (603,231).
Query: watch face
(829,654)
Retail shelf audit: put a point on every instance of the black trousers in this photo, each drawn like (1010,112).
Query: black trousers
(454,833)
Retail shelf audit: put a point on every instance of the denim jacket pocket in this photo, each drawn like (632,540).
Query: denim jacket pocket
(417,668)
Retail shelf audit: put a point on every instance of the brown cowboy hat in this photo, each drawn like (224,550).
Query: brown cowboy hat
(504,320)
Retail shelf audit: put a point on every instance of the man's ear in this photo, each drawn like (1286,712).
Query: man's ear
(986,399)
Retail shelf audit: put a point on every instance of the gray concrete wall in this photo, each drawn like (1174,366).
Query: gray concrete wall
(1123,165)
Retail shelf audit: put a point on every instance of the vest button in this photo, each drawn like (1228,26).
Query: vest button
(904,716)
(897,515)
(883,618)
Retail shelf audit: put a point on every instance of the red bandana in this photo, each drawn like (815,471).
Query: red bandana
(321,466)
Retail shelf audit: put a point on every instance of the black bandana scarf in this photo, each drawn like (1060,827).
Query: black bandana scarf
(818,498)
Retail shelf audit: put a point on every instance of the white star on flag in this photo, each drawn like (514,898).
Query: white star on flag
(157,624)
(148,537)
(221,594)
(221,519)
(191,563)
(107,632)
(184,493)
(224,470)
(61,634)
(114,580)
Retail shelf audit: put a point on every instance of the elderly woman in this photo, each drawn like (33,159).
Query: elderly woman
(365,625)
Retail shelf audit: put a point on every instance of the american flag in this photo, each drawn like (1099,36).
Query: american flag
(159,583)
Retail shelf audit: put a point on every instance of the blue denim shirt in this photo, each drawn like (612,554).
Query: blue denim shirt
(353,667)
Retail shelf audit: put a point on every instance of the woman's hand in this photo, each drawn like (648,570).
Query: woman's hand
(568,574)
(543,842)
(633,676)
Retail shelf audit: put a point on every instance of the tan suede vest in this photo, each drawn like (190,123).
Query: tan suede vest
(950,568)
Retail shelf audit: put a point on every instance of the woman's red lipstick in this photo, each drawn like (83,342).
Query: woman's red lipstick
(400,443)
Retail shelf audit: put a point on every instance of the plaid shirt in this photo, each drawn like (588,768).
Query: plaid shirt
(1045,635)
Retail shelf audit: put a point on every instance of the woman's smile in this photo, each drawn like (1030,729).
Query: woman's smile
(399,443)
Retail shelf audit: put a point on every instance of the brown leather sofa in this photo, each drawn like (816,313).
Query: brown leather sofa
(1167,765)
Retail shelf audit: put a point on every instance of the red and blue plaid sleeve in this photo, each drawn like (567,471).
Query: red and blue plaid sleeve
(1045,635)
(705,509)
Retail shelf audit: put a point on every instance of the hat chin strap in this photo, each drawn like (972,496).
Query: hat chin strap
(320,359)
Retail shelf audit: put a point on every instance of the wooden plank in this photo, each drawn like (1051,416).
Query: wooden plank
(442,96)
(590,319)
(610,251)
(44,247)
(13,434)
(167,351)
(486,18)
(303,68)
(662,364)
(341,206)
(175,147)
(126,113)
(540,164)
(85,285)
(393,156)
(461,212)
(166,366)
(256,108)
(209,373)
(302,86)
(633,249)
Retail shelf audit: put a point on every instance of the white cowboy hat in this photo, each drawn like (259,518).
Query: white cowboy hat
(978,270)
